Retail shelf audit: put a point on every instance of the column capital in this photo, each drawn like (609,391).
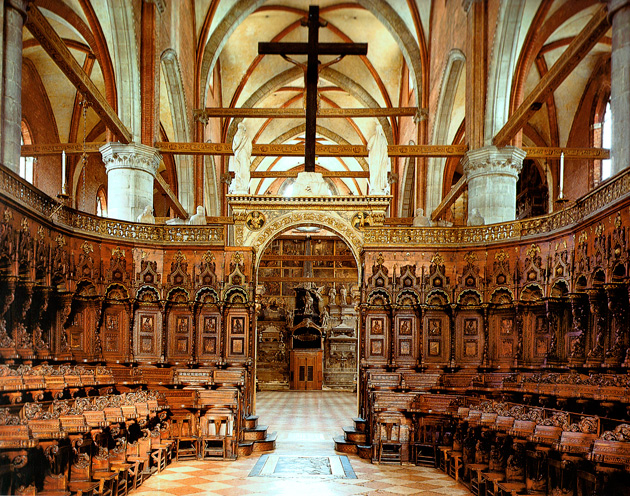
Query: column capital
(615,6)
(492,160)
(133,156)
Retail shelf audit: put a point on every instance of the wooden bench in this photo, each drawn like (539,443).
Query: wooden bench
(157,376)
(420,382)
(218,398)
(522,428)
(230,377)
(457,382)
(546,434)
(439,404)
(390,400)
(383,380)
(575,442)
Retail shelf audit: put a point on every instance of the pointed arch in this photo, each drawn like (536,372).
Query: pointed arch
(126,64)
(502,66)
(453,72)
(181,127)
(384,12)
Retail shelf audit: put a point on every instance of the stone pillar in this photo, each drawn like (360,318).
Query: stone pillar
(10,147)
(130,170)
(619,14)
(491,174)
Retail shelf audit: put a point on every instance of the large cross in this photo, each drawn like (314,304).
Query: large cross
(312,49)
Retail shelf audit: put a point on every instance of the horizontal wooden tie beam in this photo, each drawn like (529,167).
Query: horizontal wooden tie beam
(322,150)
(294,173)
(300,113)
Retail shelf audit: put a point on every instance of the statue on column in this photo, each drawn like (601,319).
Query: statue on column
(379,162)
(242,148)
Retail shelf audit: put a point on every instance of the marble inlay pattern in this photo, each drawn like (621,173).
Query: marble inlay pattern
(331,467)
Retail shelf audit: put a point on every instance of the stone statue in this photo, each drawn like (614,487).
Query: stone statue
(332,295)
(475,218)
(199,219)
(343,294)
(379,162)
(146,217)
(421,220)
(242,148)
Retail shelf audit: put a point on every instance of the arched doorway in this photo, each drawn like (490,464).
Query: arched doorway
(306,325)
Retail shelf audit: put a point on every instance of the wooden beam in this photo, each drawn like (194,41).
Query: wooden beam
(570,58)
(294,173)
(449,199)
(56,149)
(166,189)
(321,150)
(50,41)
(41,150)
(555,152)
(295,113)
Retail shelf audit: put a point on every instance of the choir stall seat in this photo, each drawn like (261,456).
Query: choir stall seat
(186,439)
(215,435)
(389,445)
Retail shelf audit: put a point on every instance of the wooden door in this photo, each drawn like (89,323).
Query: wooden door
(306,370)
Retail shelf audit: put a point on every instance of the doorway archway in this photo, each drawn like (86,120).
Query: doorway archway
(307,324)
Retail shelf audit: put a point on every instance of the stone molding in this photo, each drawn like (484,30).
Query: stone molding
(492,160)
(133,156)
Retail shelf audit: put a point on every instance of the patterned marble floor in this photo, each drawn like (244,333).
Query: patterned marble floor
(306,423)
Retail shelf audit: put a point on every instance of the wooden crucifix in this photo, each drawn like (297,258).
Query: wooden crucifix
(312,49)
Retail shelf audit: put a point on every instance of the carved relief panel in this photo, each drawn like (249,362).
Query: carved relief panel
(237,334)
(179,331)
(208,334)
(406,349)
(377,338)
(535,335)
(115,332)
(436,337)
(80,332)
(469,337)
(503,338)
(148,322)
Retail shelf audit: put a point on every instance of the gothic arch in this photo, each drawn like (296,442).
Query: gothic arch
(177,100)
(452,74)
(328,220)
(126,64)
(502,66)
(384,12)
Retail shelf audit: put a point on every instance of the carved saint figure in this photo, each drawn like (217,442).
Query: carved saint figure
(379,162)
(332,295)
(146,216)
(242,148)
(343,294)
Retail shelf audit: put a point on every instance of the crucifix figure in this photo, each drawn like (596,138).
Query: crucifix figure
(312,49)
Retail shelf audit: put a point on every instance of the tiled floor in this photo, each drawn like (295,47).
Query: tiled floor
(306,423)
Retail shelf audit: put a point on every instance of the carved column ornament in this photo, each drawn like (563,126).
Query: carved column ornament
(577,341)
(616,350)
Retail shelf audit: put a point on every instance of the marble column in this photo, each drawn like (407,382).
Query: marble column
(491,174)
(130,170)
(619,14)
(10,146)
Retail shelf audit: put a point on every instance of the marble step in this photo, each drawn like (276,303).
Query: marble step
(353,435)
(344,446)
(258,433)
(266,444)
(251,422)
